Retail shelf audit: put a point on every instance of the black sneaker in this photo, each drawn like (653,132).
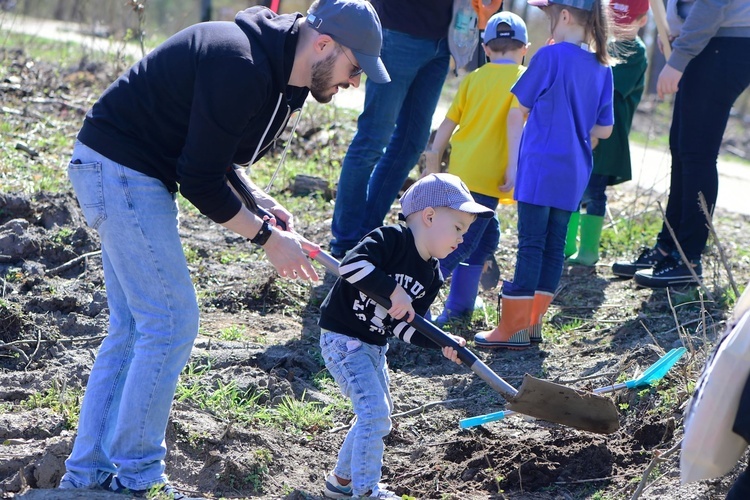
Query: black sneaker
(648,258)
(668,272)
(165,490)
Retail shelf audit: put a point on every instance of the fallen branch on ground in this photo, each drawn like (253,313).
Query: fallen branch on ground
(419,409)
(722,255)
(71,263)
(682,254)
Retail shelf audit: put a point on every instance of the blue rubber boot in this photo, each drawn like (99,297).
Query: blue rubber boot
(462,295)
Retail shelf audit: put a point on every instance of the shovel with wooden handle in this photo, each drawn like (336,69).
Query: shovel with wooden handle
(537,398)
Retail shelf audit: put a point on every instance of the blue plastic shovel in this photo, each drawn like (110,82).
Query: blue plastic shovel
(654,373)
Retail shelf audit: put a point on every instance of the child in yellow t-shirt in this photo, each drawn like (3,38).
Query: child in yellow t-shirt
(484,152)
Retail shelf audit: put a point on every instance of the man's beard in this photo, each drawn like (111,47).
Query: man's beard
(322,79)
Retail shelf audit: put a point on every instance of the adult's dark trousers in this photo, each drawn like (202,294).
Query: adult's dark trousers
(710,85)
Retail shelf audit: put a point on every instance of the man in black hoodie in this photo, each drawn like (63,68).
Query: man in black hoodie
(212,96)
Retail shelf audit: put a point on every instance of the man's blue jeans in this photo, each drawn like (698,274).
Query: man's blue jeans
(361,372)
(480,241)
(392,131)
(153,321)
(541,243)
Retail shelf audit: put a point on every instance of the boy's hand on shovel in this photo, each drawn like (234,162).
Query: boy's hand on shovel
(450,352)
(401,307)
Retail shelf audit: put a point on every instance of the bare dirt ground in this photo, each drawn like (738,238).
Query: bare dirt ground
(53,314)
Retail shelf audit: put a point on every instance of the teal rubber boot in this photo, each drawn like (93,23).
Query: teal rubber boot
(591,234)
(462,295)
(571,243)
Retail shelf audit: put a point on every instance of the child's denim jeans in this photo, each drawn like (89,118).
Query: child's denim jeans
(541,242)
(361,371)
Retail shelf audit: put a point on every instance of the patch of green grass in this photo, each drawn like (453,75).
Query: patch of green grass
(13,274)
(602,495)
(224,400)
(232,255)
(627,233)
(191,254)
(558,333)
(60,399)
(299,415)
(250,472)
(233,332)
(62,236)
(45,49)
(667,398)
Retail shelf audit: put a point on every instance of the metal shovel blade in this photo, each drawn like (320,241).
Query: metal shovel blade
(564,405)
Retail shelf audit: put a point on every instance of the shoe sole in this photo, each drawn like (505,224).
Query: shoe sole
(666,282)
(503,345)
(623,275)
(671,284)
(330,492)
(628,274)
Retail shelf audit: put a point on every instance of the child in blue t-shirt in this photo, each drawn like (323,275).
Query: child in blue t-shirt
(567,93)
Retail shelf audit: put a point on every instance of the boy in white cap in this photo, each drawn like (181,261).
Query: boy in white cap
(399,262)
(483,152)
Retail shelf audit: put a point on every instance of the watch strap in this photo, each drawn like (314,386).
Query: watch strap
(263,234)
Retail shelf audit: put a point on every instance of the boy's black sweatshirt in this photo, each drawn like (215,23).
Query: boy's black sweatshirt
(386,257)
(212,95)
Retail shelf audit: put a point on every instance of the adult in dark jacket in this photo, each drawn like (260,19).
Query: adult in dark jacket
(394,126)
(707,70)
(212,96)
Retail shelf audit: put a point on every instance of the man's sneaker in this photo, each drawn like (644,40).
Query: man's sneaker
(334,489)
(647,259)
(668,272)
(68,484)
(165,490)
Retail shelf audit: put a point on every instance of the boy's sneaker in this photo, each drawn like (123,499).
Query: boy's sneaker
(668,272)
(334,489)
(381,492)
(647,259)
(165,490)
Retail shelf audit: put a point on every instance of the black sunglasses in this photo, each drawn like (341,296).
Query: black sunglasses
(357,70)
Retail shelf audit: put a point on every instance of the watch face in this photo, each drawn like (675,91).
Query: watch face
(264,233)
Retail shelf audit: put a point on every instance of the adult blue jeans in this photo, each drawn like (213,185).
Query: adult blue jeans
(392,132)
(361,372)
(710,85)
(540,256)
(153,321)
(595,195)
(480,241)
